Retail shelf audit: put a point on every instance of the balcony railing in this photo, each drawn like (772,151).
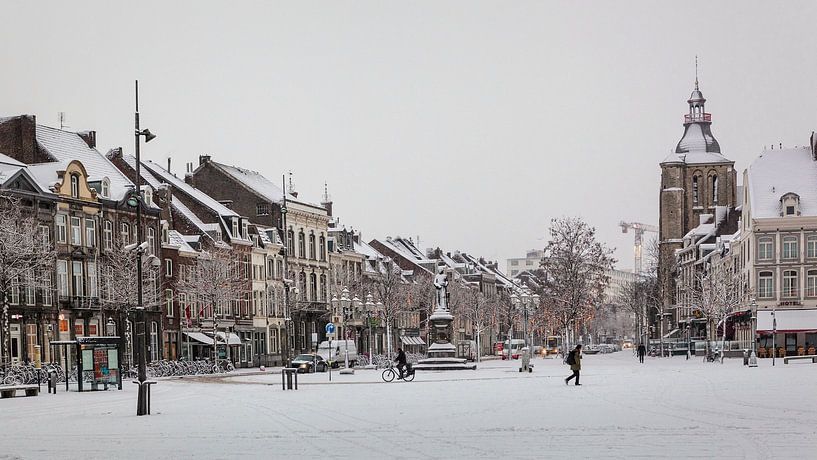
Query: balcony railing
(705,117)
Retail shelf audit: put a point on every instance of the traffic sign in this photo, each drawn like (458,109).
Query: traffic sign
(330,328)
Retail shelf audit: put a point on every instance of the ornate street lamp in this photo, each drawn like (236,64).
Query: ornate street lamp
(369,306)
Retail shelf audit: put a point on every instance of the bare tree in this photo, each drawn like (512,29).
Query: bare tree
(119,277)
(26,257)
(576,265)
(391,290)
(477,310)
(215,284)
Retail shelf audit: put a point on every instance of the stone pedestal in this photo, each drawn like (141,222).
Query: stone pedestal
(441,352)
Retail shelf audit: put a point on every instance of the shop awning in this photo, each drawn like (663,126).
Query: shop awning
(199,337)
(409,340)
(233,338)
(788,321)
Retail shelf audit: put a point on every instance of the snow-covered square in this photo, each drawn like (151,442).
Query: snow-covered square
(665,408)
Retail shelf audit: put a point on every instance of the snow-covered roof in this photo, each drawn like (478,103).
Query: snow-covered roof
(177,240)
(777,172)
(7,160)
(65,146)
(146,175)
(254,181)
(194,193)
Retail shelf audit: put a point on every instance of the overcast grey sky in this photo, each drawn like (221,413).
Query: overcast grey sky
(470,124)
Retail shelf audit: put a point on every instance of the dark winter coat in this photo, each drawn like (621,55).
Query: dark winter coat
(401,357)
(577,361)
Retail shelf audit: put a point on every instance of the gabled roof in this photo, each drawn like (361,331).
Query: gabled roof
(64,147)
(777,172)
(177,240)
(194,193)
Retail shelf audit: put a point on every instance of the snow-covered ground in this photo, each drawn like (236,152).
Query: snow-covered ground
(664,408)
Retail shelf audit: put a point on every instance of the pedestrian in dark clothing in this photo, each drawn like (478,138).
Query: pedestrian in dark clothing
(574,358)
(642,351)
(401,361)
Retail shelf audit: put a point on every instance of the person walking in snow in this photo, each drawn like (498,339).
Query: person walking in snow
(574,358)
(642,351)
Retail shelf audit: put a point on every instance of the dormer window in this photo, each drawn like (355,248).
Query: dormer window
(74,186)
(235,227)
(790,205)
(105,188)
(148,195)
(244,232)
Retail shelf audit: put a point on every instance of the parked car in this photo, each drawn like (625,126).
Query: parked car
(310,363)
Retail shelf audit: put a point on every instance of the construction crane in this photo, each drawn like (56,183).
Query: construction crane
(638,230)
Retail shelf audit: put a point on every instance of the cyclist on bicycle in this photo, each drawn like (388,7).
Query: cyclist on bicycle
(401,361)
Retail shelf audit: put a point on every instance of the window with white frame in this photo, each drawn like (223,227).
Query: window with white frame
(244,229)
(62,277)
(811,246)
(262,209)
(29,288)
(77,288)
(811,283)
(790,250)
(765,248)
(125,232)
(107,235)
(76,231)
(151,239)
(765,285)
(235,227)
(106,187)
(74,186)
(59,222)
(93,285)
(790,285)
(45,236)
(154,341)
(90,233)
(45,280)
(169,302)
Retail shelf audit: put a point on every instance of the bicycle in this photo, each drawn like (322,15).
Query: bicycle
(391,372)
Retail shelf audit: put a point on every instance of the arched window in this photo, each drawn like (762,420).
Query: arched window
(74,186)
(765,248)
(695,197)
(714,190)
(313,286)
(106,186)
(301,245)
(291,242)
(322,243)
(765,285)
(322,288)
(302,285)
(312,246)
(790,285)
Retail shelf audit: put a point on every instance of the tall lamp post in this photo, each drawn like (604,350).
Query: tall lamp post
(774,333)
(753,355)
(369,306)
(514,302)
(141,405)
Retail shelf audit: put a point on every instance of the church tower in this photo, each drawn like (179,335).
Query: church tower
(695,179)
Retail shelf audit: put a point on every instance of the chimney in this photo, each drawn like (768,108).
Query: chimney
(114,153)
(89,137)
(203,159)
(168,164)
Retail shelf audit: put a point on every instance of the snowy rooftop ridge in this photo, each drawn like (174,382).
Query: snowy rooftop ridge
(189,190)
(254,181)
(66,146)
(775,173)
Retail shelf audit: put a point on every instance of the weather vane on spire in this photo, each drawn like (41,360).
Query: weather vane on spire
(696,71)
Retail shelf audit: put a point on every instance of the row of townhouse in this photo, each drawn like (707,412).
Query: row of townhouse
(292,259)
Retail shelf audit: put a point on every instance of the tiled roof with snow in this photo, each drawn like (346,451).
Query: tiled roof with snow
(778,172)
(254,181)
(194,193)
(67,146)
(146,175)
(177,240)
(7,160)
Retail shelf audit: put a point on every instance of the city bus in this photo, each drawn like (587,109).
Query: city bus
(553,345)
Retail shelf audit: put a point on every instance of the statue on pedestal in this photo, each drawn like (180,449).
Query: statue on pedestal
(441,284)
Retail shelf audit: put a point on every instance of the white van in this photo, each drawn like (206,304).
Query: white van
(516,346)
(338,352)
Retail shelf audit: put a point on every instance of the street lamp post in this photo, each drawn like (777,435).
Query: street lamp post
(514,302)
(369,306)
(774,333)
(753,355)
(141,406)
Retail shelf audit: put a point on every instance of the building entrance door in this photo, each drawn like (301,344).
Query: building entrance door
(16,343)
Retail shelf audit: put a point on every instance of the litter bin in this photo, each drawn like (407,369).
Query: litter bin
(526,365)
(287,375)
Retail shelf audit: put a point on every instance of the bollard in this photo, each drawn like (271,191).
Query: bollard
(287,377)
(745,357)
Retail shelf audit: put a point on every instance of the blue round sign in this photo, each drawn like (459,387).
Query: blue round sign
(330,328)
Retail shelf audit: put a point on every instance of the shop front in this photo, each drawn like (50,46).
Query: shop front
(786,332)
